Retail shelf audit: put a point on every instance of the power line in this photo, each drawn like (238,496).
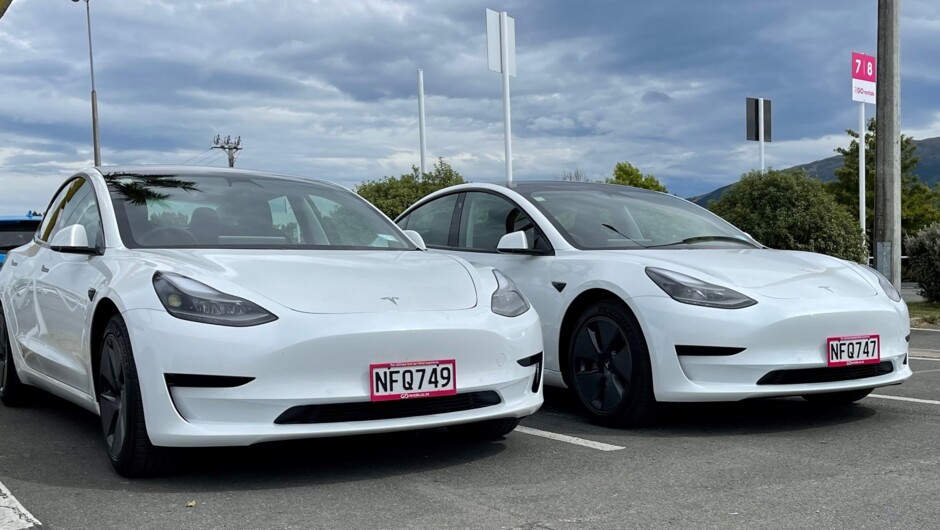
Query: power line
(212,159)
(202,159)
(195,156)
(231,147)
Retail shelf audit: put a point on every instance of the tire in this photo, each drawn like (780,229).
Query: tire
(485,430)
(846,397)
(607,366)
(13,393)
(122,410)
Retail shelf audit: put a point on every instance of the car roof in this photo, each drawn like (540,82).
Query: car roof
(529,186)
(177,170)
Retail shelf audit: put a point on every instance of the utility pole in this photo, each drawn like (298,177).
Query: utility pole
(231,147)
(424,145)
(888,145)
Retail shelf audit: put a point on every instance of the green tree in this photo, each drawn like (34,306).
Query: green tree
(788,210)
(627,174)
(393,195)
(920,205)
(924,266)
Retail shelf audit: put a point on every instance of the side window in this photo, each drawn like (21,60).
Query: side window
(432,220)
(75,204)
(487,217)
(82,208)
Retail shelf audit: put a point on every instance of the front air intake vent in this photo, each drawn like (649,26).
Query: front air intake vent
(385,410)
(826,375)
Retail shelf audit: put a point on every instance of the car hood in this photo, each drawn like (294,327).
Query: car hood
(338,281)
(772,273)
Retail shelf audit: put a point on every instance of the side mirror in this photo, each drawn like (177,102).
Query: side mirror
(72,239)
(514,243)
(416,238)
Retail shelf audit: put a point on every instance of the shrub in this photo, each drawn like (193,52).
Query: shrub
(790,211)
(923,261)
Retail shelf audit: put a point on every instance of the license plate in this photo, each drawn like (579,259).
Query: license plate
(415,379)
(857,349)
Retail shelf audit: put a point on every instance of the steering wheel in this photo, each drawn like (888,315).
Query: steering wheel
(169,235)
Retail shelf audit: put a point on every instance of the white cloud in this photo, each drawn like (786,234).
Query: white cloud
(327,88)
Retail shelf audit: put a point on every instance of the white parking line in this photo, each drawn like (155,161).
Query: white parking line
(926,329)
(899,398)
(925,359)
(600,446)
(12,514)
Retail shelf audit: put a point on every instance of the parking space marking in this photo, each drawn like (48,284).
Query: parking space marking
(900,398)
(13,516)
(600,446)
(924,359)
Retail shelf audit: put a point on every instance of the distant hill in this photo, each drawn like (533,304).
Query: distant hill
(928,169)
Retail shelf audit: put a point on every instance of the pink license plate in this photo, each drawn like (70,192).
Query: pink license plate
(856,349)
(412,380)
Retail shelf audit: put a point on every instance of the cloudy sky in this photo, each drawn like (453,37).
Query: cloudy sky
(328,88)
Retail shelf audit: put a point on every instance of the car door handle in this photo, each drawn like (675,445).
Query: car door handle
(13,263)
(44,268)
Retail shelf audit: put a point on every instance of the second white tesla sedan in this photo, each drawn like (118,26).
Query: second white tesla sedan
(198,307)
(646,297)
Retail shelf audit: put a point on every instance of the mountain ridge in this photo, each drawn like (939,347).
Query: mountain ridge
(928,169)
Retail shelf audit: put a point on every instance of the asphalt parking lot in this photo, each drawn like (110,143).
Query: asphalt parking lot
(780,463)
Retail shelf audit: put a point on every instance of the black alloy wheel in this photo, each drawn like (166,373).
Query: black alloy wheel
(121,407)
(846,397)
(13,393)
(608,366)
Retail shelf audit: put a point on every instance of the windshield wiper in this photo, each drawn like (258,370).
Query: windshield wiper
(621,234)
(700,239)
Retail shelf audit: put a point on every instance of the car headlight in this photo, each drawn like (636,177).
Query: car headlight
(689,290)
(886,286)
(507,300)
(188,299)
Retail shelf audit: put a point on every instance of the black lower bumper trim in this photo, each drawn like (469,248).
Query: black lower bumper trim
(825,375)
(385,410)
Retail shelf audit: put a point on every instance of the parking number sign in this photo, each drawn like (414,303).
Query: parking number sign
(864,74)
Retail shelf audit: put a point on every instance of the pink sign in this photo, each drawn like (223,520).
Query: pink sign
(864,75)
(863,67)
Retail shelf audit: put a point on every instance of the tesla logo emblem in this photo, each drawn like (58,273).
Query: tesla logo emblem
(826,287)
(392,299)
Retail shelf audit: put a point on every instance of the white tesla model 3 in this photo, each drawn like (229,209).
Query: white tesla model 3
(204,307)
(646,297)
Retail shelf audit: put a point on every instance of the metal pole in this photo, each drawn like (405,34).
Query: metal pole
(760,130)
(424,147)
(888,144)
(862,133)
(504,65)
(94,94)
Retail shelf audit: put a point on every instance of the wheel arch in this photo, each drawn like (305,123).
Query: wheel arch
(577,306)
(104,311)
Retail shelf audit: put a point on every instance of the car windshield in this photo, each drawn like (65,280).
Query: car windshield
(615,217)
(239,210)
(16,234)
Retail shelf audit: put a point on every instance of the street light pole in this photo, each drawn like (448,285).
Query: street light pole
(94,94)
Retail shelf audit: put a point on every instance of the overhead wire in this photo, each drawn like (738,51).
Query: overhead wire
(184,162)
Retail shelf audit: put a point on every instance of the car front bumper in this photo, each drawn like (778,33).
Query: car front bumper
(306,359)
(781,336)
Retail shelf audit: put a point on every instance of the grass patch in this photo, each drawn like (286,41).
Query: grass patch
(925,312)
